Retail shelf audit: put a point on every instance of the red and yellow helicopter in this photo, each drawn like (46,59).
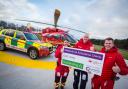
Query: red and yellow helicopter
(54,34)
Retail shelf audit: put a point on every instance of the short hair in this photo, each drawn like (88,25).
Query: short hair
(109,38)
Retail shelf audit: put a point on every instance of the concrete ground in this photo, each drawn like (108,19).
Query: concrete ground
(18,71)
(12,77)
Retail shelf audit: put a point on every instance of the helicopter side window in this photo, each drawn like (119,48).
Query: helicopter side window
(57,36)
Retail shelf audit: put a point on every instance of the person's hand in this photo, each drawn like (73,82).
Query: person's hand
(70,68)
(116,69)
(62,50)
(92,48)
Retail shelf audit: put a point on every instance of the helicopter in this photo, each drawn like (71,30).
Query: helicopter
(54,35)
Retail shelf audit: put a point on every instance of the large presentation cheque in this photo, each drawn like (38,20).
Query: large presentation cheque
(83,59)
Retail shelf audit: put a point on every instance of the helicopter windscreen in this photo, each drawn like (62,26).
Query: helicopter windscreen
(70,38)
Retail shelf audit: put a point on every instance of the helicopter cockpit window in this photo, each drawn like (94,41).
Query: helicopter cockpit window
(70,38)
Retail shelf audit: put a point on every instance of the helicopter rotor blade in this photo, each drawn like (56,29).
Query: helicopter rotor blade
(56,16)
(71,29)
(51,25)
(35,22)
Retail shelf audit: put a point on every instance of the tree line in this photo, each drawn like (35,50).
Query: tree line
(8,25)
(120,43)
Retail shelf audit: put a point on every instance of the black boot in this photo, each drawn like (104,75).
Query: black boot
(57,88)
(57,82)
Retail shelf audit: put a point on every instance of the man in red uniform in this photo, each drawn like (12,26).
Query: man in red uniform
(79,75)
(114,63)
(61,72)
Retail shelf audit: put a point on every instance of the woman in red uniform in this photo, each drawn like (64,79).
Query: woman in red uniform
(114,63)
(61,72)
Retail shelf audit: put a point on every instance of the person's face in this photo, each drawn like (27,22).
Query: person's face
(108,44)
(85,38)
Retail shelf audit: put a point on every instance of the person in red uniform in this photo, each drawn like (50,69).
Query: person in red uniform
(79,75)
(61,71)
(114,63)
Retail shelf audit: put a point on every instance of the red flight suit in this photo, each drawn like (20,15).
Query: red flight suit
(106,80)
(61,71)
(60,68)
